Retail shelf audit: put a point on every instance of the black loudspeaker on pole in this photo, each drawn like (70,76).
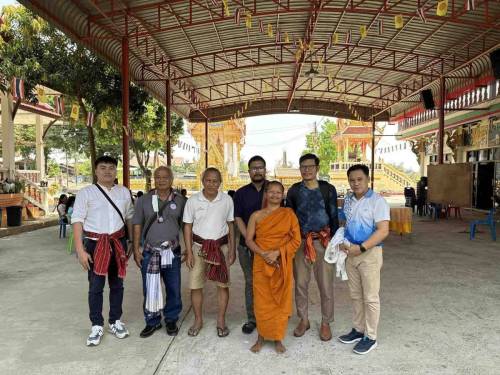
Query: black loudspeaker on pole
(495,63)
(426,97)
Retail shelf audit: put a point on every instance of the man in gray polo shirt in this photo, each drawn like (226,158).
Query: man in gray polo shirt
(156,221)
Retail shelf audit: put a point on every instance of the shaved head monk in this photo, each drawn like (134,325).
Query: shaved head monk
(273,234)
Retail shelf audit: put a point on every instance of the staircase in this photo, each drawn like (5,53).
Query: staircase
(387,177)
(35,195)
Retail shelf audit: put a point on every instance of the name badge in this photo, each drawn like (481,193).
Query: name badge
(173,206)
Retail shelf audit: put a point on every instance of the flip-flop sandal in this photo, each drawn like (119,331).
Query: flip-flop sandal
(222,332)
(193,331)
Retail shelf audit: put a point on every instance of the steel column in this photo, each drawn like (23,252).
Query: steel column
(206,143)
(125,109)
(168,133)
(442,98)
(373,153)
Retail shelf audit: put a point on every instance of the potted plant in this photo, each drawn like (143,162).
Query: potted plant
(11,198)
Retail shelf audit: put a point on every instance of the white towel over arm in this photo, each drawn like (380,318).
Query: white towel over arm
(333,253)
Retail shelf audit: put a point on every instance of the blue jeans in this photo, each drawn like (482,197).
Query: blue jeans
(171,276)
(96,287)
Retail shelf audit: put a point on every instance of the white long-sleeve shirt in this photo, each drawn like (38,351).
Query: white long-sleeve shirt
(97,215)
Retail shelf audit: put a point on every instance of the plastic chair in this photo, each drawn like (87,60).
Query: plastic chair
(456,210)
(62,228)
(490,221)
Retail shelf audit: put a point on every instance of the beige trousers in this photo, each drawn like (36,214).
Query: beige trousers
(323,273)
(364,285)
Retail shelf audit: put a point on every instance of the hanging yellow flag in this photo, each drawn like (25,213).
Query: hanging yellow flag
(227,13)
(104,122)
(301,44)
(269,30)
(287,38)
(442,8)
(398,21)
(363,32)
(320,62)
(40,93)
(311,46)
(248,20)
(75,111)
(298,55)
(335,38)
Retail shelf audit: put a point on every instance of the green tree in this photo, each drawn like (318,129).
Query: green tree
(320,143)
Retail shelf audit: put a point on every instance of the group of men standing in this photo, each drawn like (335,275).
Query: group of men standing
(282,239)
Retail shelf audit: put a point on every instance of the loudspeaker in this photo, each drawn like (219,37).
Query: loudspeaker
(426,97)
(495,63)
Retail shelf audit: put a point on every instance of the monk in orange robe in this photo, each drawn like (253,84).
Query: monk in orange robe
(273,234)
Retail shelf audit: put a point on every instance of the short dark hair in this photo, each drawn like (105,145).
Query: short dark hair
(211,169)
(256,158)
(309,157)
(105,159)
(275,182)
(359,167)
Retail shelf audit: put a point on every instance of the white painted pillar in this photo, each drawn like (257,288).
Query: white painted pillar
(40,156)
(8,137)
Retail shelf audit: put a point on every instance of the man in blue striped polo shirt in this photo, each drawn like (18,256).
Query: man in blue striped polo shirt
(367,225)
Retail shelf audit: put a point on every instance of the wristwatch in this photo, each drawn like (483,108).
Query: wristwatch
(362,248)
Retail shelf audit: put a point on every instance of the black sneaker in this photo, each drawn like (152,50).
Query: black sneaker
(149,330)
(172,329)
(365,346)
(248,327)
(352,337)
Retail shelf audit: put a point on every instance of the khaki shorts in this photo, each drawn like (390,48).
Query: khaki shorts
(197,274)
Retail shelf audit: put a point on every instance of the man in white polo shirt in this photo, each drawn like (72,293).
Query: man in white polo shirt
(367,225)
(210,248)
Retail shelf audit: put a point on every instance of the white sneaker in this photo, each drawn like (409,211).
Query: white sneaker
(118,329)
(95,336)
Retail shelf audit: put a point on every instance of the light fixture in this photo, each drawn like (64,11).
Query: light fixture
(311,73)
(294,109)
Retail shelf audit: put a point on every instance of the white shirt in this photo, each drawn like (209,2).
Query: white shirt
(362,215)
(209,219)
(97,214)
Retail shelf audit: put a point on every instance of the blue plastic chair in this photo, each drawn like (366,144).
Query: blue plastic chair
(490,221)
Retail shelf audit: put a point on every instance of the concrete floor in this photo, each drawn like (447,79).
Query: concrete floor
(440,315)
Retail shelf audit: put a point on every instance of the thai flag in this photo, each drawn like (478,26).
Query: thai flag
(261,26)
(237,16)
(348,37)
(421,14)
(18,88)
(90,119)
(470,5)
(380,27)
(278,36)
(59,104)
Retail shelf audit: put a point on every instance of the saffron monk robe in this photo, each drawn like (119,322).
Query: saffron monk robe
(273,234)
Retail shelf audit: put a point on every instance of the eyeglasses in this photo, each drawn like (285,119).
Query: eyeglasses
(307,167)
(257,169)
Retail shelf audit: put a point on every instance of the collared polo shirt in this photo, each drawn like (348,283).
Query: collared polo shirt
(363,215)
(159,232)
(97,214)
(209,219)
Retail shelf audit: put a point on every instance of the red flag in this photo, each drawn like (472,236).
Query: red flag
(90,119)
(18,88)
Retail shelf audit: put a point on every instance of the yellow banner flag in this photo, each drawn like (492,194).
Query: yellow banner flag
(298,55)
(398,21)
(269,30)
(287,38)
(320,62)
(227,13)
(40,93)
(75,111)
(104,122)
(248,20)
(301,44)
(335,38)
(363,32)
(442,8)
